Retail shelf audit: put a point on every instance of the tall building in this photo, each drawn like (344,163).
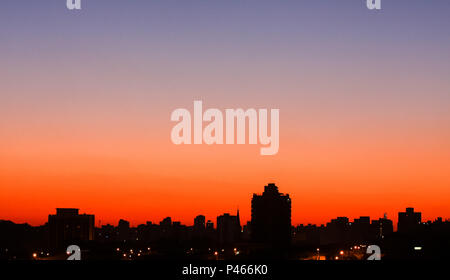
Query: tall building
(271,217)
(123,229)
(106,233)
(360,229)
(382,227)
(409,221)
(199,226)
(199,222)
(336,231)
(68,227)
(209,226)
(228,229)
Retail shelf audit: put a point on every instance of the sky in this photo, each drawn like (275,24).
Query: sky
(86,98)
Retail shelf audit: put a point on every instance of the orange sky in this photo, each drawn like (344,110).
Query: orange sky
(327,172)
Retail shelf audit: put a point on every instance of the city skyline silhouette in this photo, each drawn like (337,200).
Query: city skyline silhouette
(269,233)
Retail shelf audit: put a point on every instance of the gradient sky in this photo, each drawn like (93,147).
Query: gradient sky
(86,98)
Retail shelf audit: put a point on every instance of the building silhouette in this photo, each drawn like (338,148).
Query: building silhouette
(338,230)
(199,225)
(69,227)
(360,229)
(267,235)
(271,217)
(382,227)
(228,229)
(409,220)
(106,233)
(123,229)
